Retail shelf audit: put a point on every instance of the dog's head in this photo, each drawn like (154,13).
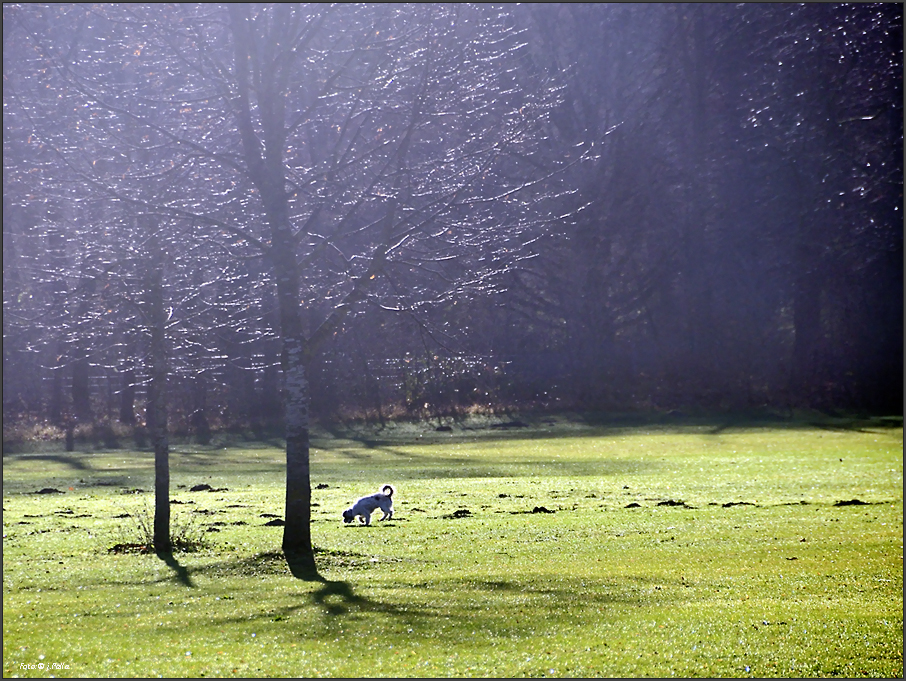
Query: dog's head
(348,515)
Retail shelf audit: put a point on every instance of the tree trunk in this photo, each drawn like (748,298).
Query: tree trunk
(267,172)
(55,403)
(81,367)
(695,243)
(157,396)
(297,531)
(127,398)
(81,392)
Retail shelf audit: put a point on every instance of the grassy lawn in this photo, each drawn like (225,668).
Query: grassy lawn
(566,548)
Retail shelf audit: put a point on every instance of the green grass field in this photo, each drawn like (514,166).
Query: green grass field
(566,548)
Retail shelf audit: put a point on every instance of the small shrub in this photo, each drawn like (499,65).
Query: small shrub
(186,535)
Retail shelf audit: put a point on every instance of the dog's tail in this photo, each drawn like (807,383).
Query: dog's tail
(388,490)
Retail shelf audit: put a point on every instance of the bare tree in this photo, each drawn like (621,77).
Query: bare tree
(372,155)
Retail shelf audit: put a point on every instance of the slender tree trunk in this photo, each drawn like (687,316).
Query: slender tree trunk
(55,403)
(127,398)
(157,396)
(297,532)
(267,172)
(81,367)
(695,247)
(58,292)
(81,393)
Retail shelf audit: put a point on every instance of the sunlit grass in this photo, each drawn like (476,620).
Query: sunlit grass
(687,551)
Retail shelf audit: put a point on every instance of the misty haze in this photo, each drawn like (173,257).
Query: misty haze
(286,223)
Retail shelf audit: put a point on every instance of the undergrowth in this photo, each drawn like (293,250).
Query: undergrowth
(186,533)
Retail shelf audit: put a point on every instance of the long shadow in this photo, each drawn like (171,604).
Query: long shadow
(346,598)
(66,460)
(182,574)
(335,597)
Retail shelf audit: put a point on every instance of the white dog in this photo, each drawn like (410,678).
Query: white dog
(364,507)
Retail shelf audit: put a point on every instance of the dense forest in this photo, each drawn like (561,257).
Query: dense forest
(218,216)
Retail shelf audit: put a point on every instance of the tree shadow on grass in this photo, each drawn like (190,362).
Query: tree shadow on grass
(180,572)
(70,460)
(335,600)
(338,602)
(334,597)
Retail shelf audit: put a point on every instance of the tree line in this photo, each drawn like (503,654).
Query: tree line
(243,215)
